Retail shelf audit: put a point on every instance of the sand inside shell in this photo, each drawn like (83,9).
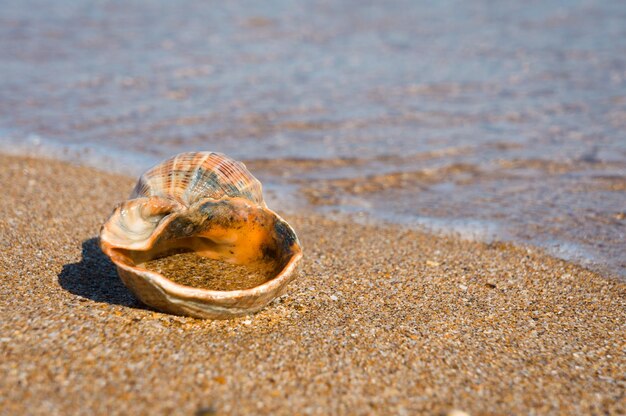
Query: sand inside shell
(190,269)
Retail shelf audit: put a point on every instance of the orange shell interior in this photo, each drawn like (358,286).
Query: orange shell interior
(231,230)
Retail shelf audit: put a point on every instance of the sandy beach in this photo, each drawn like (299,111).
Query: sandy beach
(381,320)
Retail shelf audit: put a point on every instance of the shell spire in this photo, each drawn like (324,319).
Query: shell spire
(188,177)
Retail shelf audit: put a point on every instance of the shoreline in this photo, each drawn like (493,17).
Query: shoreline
(381,319)
(470,229)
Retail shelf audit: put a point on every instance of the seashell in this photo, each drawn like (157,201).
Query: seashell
(212,205)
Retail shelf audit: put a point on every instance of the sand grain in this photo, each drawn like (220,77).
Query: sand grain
(189,269)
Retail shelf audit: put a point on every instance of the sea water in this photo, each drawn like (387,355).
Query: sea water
(490,120)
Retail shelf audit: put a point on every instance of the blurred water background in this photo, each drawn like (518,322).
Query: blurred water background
(493,120)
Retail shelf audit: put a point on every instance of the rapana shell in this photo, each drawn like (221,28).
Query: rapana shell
(208,203)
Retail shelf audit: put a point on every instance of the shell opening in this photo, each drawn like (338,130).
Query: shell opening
(250,245)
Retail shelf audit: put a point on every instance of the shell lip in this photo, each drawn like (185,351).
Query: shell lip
(285,276)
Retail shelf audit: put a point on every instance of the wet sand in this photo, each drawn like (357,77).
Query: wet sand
(381,320)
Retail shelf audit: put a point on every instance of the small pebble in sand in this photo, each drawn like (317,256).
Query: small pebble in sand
(190,269)
(457,412)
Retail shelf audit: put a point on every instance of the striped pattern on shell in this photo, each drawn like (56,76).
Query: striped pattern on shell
(189,177)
